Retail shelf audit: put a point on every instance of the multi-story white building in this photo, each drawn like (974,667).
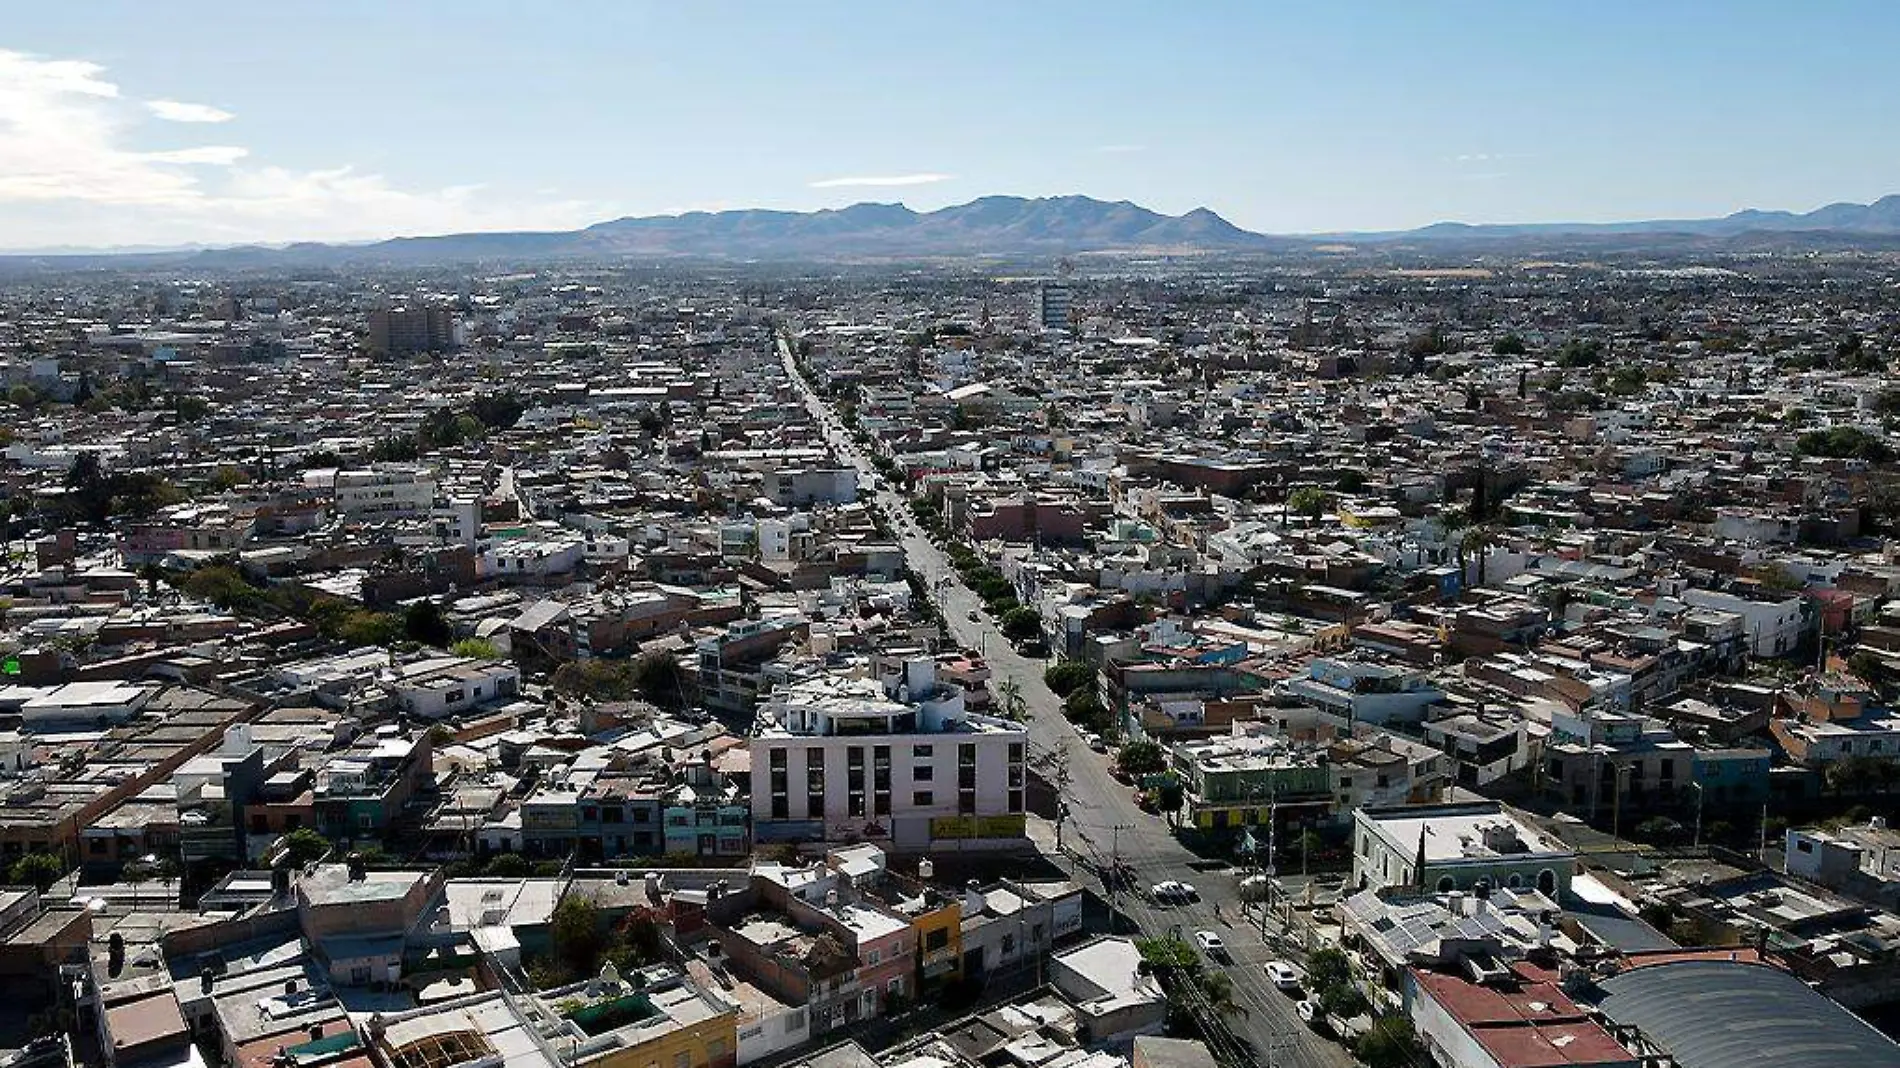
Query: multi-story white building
(890,755)
(380,491)
(1770,628)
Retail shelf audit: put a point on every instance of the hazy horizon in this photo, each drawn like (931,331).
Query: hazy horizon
(197,124)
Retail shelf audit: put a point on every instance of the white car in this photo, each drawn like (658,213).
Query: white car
(1284,975)
(1211,944)
(1174,892)
(1309,1013)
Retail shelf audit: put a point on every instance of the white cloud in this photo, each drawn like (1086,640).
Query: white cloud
(882,180)
(178,111)
(70,175)
(210,155)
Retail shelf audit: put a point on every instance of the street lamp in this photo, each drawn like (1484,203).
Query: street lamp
(1697,787)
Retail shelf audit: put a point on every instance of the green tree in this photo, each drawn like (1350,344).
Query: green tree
(1162,954)
(304,845)
(1141,758)
(1217,989)
(1021,624)
(362,628)
(1579,352)
(602,680)
(1390,1043)
(498,411)
(1509,345)
(37,870)
(1344,1000)
(476,649)
(578,935)
(1064,677)
(1009,699)
(1084,709)
(1169,797)
(1308,501)
(424,622)
(508,866)
(1843,443)
(1327,967)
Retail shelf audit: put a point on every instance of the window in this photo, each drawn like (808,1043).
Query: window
(1015,802)
(936,938)
(894,989)
(683,1059)
(1515,882)
(1445,884)
(97,846)
(1804,846)
(924,772)
(921,752)
(923,799)
(452,696)
(781,807)
(1546,882)
(874,958)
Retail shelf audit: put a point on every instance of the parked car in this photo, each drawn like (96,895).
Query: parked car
(1211,945)
(1285,976)
(1174,892)
(1310,1014)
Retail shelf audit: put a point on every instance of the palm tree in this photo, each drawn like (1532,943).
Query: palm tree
(1009,693)
(1478,540)
(1218,990)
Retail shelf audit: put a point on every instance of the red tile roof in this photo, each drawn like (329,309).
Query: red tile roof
(1531,1023)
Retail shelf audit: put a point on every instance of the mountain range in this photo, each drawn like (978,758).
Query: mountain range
(989,226)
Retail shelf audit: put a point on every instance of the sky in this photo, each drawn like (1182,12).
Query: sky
(139,123)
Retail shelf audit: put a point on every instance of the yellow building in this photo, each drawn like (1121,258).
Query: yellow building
(663,1021)
(664,1026)
(938,927)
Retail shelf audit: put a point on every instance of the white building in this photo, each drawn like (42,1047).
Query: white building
(898,760)
(1459,846)
(442,686)
(532,558)
(377,492)
(75,704)
(1771,628)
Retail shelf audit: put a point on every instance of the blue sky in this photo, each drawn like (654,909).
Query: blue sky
(135,123)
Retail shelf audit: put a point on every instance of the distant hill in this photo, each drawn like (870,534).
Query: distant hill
(1881,218)
(991,226)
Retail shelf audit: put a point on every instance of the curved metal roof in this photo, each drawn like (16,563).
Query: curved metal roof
(1729,1014)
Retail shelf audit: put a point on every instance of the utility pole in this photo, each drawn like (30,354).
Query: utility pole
(1115,873)
(1062,789)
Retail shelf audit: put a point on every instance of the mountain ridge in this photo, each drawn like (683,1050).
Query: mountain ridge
(995,225)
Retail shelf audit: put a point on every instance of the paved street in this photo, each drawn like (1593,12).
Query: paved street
(1104,822)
